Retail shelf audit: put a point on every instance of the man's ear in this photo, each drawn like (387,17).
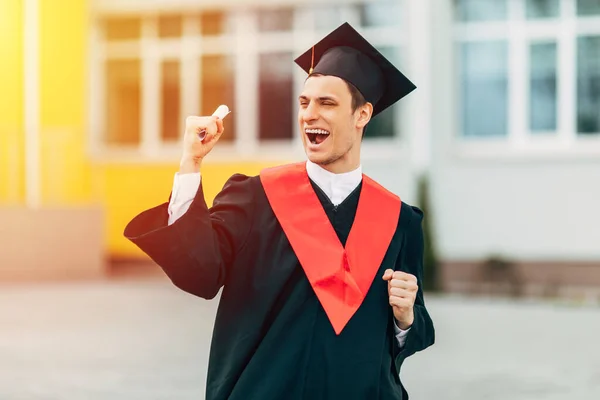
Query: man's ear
(364,115)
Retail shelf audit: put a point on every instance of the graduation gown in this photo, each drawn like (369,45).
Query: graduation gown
(272,338)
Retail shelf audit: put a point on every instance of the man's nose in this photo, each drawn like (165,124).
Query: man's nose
(310,112)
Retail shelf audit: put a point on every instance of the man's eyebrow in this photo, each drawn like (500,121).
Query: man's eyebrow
(320,98)
(327,98)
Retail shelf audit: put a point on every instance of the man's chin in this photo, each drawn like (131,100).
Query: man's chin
(320,159)
(317,158)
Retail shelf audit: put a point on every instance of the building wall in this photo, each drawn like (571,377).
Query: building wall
(543,210)
(128,189)
(12,168)
(66,172)
(493,199)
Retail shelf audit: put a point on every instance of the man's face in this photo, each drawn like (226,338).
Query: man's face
(330,130)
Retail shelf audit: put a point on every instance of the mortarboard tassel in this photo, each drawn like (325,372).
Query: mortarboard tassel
(312,61)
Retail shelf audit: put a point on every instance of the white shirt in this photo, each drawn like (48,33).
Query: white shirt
(336,186)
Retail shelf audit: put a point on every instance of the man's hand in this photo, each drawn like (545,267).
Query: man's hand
(194,149)
(402,291)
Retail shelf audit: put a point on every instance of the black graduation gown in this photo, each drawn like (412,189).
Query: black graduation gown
(272,338)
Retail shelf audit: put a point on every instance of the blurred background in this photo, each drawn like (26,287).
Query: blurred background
(499,144)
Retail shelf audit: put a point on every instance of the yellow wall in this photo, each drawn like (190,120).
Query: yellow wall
(12,168)
(129,190)
(66,177)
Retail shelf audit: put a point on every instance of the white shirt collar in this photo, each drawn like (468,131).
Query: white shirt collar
(336,186)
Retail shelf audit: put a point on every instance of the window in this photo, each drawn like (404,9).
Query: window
(170,26)
(123,105)
(276,92)
(543,86)
(384,124)
(215,23)
(588,85)
(273,20)
(379,13)
(588,7)
(170,116)
(484,77)
(122,28)
(542,8)
(217,87)
(481,10)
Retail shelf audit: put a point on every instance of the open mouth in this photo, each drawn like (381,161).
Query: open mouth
(316,136)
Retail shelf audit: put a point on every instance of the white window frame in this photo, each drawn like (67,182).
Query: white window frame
(247,43)
(519,33)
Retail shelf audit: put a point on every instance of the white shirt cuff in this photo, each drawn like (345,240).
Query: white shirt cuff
(185,187)
(400,334)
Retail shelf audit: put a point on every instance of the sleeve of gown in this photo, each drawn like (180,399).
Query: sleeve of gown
(421,334)
(197,250)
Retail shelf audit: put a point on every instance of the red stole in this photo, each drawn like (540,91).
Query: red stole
(340,277)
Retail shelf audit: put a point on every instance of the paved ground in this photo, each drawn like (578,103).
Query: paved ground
(147,340)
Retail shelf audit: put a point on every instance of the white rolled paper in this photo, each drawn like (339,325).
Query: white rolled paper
(222,111)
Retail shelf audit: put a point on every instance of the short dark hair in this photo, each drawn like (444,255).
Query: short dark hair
(358,100)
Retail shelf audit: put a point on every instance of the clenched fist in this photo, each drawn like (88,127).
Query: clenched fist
(195,149)
(402,292)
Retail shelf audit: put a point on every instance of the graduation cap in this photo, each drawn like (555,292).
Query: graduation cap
(346,54)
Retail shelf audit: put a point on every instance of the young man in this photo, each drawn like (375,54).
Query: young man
(320,266)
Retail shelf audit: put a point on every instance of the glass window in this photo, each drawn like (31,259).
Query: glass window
(214,23)
(270,20)
(542,87)
(542,8)
(170,90)
(169,26)
(276,92)
(218,87)
(588,7)
(588,85)
(384,124)
(484,79)
(481,10)
(123,28)
(380,13)
(123,101)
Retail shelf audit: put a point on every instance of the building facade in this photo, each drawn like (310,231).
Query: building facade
(505,120)
(516,137)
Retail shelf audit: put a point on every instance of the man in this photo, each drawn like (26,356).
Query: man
(320,266)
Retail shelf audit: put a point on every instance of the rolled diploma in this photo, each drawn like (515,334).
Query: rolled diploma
(221,112)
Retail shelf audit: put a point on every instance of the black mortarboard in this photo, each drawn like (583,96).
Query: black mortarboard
(346,54)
